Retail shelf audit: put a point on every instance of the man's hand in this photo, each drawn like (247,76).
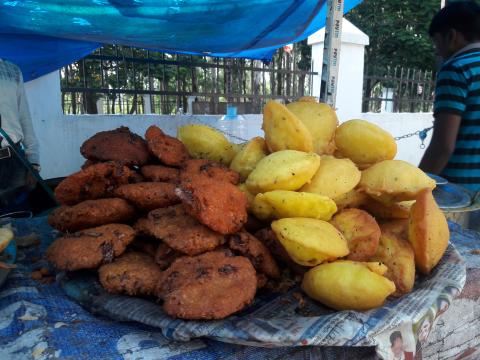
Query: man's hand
(32,180)
(36,167)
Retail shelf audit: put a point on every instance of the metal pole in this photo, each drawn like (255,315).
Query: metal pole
(331,51)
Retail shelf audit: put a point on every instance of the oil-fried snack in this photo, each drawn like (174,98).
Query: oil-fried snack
(361,232)
(213,285)
(269,239)
(248,157)
(427,232)
(334,178)
(253,224)
(394,180)
(262,280)
(321,120)
(144,245)
(398,227)
(179,230)
(400,210)
(261,208)
(167,149)
(133,273)
(347,285)
(351,199)
(248,194)
(283,170)
(285,204)
(91,213)
(364,143)
(95,182)
(200,167)
(90,248)
(219,205)
(249,246)
(165,256)
(119,145)
(204,142)
(160,173)
(137,178)
(148,196)
(397,254)
(310,242)
(88,163)
(283,130)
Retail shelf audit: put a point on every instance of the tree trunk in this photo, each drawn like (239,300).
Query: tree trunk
(74,103)
(228,80)
(279,73)
(256,84)
(114,97)
(194,78)
(288,82)
(301,85)
(90,103)
(133,109)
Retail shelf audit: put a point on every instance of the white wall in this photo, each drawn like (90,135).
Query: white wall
(60,136)
(399,124)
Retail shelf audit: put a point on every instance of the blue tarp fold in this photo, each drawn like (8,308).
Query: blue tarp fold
(44,35)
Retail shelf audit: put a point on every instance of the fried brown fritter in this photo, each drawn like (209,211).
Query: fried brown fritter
(161,173)
(144,245)
(213,285)
(169,150)
(361,231)
(119,145)
(268,238)
(148,196)
(94,182)
(196,167)
(262,280)
(88,163)
(90,248)
(249,246)
(91,213)
(133,274)
(165,256)
(179,230)
(220,205)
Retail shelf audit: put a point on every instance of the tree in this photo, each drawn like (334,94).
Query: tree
(398,31)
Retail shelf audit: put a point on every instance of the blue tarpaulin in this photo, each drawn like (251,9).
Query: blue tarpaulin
(43,35)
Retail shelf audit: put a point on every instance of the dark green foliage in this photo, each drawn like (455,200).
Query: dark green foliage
(398,31)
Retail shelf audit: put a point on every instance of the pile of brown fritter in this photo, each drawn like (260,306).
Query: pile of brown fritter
(158,224)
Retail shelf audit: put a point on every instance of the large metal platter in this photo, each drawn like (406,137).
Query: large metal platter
(451,196)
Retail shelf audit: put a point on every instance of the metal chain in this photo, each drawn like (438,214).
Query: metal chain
(422,134)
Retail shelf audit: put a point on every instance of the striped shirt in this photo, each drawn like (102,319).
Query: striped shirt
(458,92)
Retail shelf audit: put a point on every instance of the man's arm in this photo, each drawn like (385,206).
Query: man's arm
(29,138)
(445,130)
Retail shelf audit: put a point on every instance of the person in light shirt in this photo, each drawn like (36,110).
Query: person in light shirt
(397,348)
(17,123)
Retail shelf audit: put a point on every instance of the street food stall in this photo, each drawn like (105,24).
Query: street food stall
(306,240)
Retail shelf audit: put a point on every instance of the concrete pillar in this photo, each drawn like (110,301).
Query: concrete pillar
(147,104)
(100,107)
(350,76)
